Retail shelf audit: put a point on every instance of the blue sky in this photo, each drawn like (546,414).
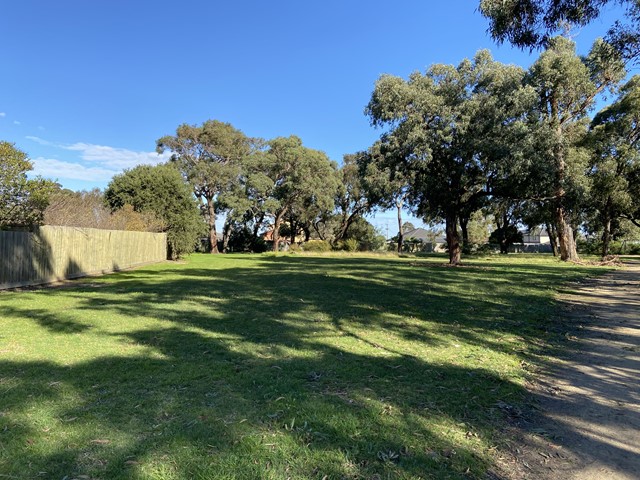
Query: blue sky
(87,87)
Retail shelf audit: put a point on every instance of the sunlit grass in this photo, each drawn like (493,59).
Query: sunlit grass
(273,367)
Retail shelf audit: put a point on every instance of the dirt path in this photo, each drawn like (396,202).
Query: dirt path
(587,425)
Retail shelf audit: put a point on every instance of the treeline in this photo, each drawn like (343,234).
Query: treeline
(488,135)
(276,186)
(482,136)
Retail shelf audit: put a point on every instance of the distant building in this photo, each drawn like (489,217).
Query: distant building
(422,240)
(536,236)
(535,240)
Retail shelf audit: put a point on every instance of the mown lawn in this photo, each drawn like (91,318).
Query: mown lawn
(298,367)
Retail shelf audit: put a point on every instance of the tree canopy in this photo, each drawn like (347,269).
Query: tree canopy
(301,181)
(210,158)
(615,168)
(567,87)
(160,189)
(445,130)
(22,200)
(534,23)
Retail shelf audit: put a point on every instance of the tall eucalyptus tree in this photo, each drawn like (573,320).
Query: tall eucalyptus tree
(446,130)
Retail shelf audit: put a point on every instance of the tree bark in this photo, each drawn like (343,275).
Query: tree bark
(346,222)
(566,240)
(226,234)
(606,234)
(293,226)
(553,236)
(276,229)
(453,238)
(213,233)
(504,248)
(400,233)
(316,227)
(464,223)
(504,238)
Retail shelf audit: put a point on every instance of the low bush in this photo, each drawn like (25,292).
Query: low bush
(316,246)
(349,245)
(295,247)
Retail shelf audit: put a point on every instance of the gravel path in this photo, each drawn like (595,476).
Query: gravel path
(587,425)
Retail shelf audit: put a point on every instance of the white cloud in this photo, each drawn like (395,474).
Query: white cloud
(2,114)
(41,128)
(41,141)
(56,169)
(16,122)
(116,157)
(106,157)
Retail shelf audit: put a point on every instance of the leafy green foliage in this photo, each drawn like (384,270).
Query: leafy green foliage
(352,198)
(243,239)
(22,200)
(300,182)
(316,246)
(505,236)
(385,184)
(567,87)
(615,169)
(160,189)
(479,228)
(349,245)
(534,23)
(363,236)
(210,157)
(450,132)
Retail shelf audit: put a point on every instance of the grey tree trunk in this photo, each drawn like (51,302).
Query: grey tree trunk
(400,233)
(606,234)
(566,240)
(276,229)
(226,235)
(213,234)
(552,231)
(453,239)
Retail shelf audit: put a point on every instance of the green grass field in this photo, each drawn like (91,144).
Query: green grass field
(273,367)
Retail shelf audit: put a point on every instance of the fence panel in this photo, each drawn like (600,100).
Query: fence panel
(51,253)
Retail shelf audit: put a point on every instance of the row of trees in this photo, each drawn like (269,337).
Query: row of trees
(457,140)
(488,133)
(276,185)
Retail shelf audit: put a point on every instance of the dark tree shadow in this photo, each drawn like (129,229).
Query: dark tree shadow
(25,258)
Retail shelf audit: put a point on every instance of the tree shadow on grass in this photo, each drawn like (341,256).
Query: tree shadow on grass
(337,414)
(313,366)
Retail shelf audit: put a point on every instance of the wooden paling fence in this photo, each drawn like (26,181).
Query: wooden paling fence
(49,253)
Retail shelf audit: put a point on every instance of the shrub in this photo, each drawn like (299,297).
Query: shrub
(295,247)
(349,245)
(242,239)
(316,246)
(160,190)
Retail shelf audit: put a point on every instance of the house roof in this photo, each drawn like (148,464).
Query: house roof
(536,231)
(424,235)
